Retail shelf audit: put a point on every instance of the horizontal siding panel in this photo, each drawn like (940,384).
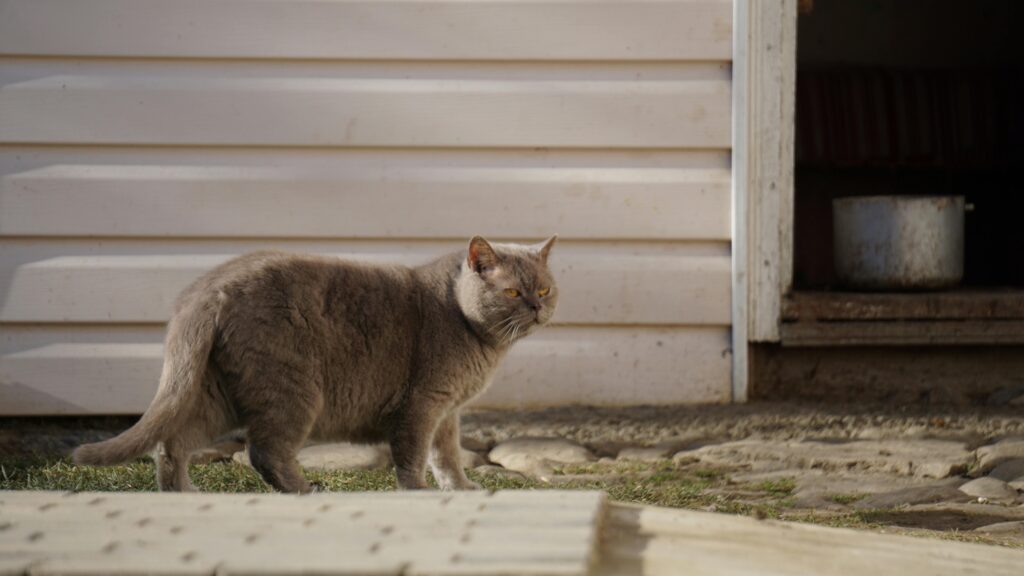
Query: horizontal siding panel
(23,69)
(15,252)
(359,112)
(352,202)
(594,289)
(370,29)
(15,159)
(557,366)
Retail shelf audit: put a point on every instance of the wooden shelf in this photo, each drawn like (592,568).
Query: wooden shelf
(961,317)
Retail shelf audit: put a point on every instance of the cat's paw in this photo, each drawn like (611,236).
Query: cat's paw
(470,485)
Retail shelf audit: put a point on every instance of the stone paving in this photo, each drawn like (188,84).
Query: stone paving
(937,470)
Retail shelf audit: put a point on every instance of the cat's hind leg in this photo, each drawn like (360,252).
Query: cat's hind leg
(275,438)
(172,467)
(174,453)
(272,454)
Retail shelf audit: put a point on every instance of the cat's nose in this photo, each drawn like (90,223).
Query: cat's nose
(535,305)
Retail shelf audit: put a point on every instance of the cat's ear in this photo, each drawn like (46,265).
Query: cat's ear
(481,255)
(545,248)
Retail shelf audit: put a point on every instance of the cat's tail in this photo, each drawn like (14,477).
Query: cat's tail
(190,337)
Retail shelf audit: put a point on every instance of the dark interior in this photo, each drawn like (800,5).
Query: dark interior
(911,97)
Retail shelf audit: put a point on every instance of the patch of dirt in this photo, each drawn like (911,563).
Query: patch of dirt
(598,427)
(942,520)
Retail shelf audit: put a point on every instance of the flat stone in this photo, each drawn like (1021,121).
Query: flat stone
(648,454)
(1000,511)
(1008,470)
(608,448)
(475,444)
(919,458)
(338,456)
(1006,396)
(931,494)
(499,472)
(471,459)
(995,454)
(1012,527)
(990,488)
(660,451)
(539,456)
(220,452)
(838,489)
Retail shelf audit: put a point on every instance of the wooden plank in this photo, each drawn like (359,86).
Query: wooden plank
(903,333)
(964,304)
(437,533)
(767,159)
(556,366)
(421,30)
(360,201)
(15,70)
(142,109)
(595,289)
(653,541)
(740,199)
(892,375)
(17,159)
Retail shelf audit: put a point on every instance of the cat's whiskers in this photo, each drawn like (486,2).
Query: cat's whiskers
(514,330)
(504,327)
(519,325)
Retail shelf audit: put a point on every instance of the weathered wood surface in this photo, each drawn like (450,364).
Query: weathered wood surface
(283,111)
(142,139)
(89,369)
(525,533)
(903,333)
(334,201)
(541,533)
(420,30)
(657,541)
(964,304)
(766,155)
(656,290)
(937,375)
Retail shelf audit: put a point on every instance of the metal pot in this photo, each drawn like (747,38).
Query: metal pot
(899,242)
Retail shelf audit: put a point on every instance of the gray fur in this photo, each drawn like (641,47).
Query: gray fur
(297,347)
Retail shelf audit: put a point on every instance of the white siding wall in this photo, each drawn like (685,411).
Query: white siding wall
(144,141)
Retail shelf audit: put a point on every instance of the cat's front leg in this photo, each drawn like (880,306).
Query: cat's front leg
(445,456)
(411,440)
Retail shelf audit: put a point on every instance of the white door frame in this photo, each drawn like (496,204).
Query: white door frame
(763,130)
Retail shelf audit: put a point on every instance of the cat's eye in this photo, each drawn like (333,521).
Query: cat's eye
(543,292)
(512,293)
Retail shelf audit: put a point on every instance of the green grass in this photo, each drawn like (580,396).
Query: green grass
(779,487)
(846,499)
(659,484)
(141,477)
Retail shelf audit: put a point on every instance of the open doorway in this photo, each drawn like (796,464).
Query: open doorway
(910,97)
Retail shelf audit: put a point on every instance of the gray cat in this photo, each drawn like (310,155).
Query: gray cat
(296,347)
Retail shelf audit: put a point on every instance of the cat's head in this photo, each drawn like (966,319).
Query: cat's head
(507,289)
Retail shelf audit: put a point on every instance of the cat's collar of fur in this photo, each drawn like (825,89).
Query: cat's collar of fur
(467,286)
